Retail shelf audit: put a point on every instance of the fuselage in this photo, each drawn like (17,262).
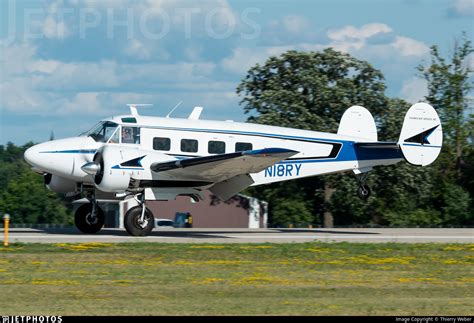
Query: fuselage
(173,139)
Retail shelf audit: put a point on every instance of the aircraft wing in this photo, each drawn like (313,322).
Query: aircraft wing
(216,168)
(230,172)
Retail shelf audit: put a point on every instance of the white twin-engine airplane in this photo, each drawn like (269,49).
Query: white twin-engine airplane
(151,158)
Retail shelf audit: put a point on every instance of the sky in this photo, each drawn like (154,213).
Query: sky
(66,64)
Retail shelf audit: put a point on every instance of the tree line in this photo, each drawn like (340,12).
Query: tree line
(311,90)
(23,193)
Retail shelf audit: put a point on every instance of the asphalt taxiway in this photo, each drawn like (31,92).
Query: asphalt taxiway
(363,235)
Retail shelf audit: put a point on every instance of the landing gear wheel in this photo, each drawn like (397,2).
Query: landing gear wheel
(363,191)
(133,223)
(87,222)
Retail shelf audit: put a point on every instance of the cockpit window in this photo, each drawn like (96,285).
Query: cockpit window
(103,131)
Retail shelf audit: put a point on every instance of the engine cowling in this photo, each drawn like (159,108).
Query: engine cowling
(114,167)
(59,184)
(113,174)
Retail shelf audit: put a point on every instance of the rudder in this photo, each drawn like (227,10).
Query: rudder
(358,122)
(421,137)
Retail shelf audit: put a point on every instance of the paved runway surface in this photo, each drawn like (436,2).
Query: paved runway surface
(248,235)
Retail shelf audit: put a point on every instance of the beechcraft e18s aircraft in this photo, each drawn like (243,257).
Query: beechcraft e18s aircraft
(152,158)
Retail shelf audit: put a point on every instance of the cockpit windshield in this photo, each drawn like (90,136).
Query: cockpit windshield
(103,131)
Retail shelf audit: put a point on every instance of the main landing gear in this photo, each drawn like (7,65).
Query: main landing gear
(363,191)
(89,218)
(139,220)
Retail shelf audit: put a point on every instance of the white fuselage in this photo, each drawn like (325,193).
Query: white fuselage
(319,153)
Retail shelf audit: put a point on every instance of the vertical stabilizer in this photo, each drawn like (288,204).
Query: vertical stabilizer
(358,122)
(421,137)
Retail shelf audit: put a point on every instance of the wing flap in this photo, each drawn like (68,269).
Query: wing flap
(228,188)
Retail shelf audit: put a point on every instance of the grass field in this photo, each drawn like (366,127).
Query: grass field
(236,279)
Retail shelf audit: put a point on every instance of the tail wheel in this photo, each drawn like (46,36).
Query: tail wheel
(135,226)
(86,221)
(364,192)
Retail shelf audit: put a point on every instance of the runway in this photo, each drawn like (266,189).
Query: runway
(360,235)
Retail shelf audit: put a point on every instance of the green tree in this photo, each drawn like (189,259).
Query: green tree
(301,214)
(449,83)
(449,86)
(416,218)
(311,90)
(23,194)
(291,202)
(28,201)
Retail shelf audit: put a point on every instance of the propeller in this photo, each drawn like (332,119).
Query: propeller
(95,168)
(91,168)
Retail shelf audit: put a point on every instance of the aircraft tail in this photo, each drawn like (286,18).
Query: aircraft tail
(421,137)
(358,122)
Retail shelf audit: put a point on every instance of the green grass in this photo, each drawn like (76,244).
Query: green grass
(236,279)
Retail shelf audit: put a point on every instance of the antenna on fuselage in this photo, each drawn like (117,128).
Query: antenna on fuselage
(175,107)
(133,107)
(196,113)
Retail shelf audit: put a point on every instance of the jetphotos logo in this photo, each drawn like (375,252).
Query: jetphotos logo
(131,19)
(32,319)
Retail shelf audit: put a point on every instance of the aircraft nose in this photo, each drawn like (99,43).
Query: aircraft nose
(31,155)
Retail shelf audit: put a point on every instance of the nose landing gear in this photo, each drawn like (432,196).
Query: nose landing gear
(89,218)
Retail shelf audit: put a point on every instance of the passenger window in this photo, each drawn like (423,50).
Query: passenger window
(243,146)
(189,145)
(160,143)
(216,147)
(130,135)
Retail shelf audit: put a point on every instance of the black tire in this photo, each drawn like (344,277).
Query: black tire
(132,225)
(364,192)
(85,223)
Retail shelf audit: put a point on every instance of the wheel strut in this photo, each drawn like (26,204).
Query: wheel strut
(89,217)
(363,191)
(139,221)
(140,198)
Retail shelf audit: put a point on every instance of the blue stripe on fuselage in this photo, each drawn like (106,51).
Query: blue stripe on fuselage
(73,151)
(128,168)
(422,146)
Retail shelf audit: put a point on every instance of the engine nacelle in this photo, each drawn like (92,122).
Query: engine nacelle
(116,165)
(59,184)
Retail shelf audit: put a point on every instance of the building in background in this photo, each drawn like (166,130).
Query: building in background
(240,211)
